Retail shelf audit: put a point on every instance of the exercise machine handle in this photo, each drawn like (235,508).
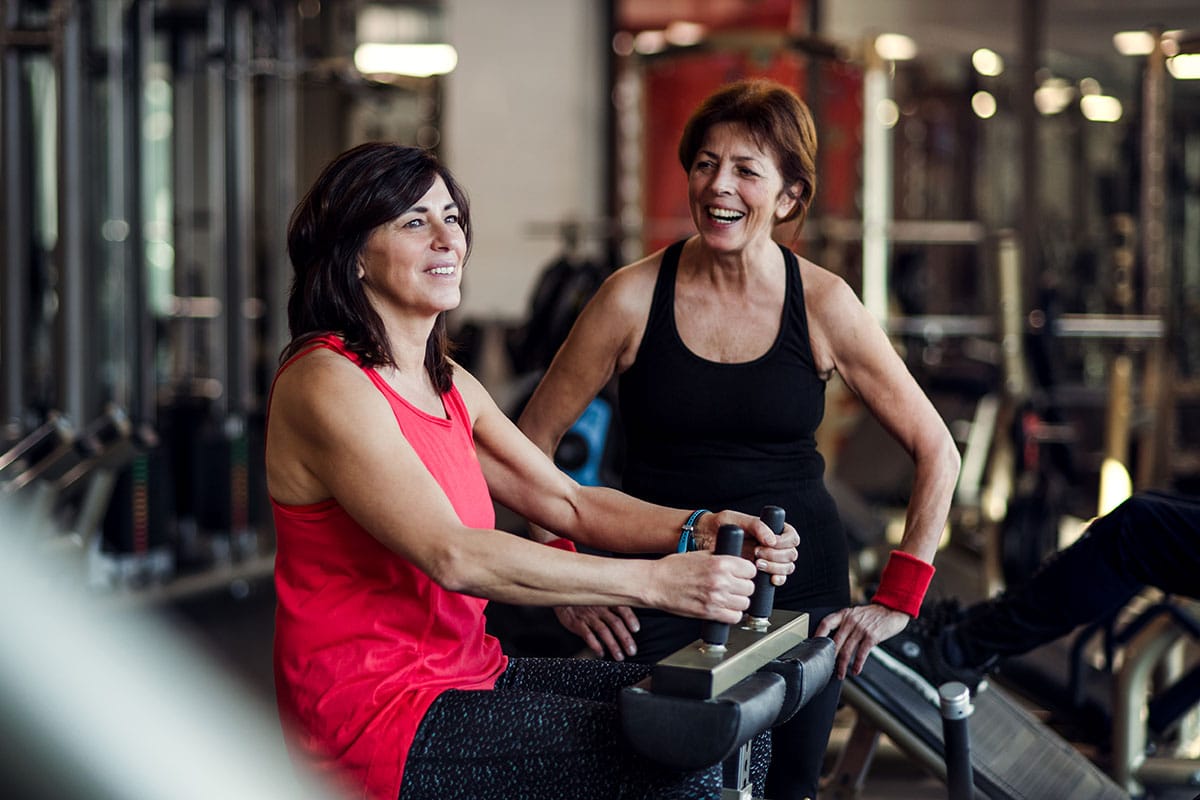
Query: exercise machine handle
(763,599)
(729,543)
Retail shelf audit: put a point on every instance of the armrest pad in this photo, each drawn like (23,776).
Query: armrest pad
(806,670)
(692,734)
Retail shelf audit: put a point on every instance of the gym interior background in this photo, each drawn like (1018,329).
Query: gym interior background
(1014,188)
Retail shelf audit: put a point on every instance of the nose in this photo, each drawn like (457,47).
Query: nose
(722,181)
(443,235)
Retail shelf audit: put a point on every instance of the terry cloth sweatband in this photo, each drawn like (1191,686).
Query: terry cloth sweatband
(686,542)
(561,544)
(903,583)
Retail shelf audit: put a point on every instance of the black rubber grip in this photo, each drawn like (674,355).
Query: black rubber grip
(763,599)
(729,543)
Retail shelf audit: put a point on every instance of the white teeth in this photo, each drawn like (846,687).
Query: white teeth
(724,215)
(442,270)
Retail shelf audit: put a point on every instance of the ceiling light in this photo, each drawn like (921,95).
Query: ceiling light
(622,43)
(1053,96)
(684,34)
(987,62)
(887,112)
(895,47)
(1134,43)
(983,104)
(414,60)
(1100,107)
(650,42)
(1185,66)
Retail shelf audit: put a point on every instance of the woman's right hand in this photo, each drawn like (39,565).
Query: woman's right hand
(602,628)
(702,585)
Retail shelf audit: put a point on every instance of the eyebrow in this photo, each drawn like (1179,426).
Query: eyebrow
(711,154)
(425,209)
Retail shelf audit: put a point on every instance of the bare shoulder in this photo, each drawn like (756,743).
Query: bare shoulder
(474,395)
(833,310)
(628,290)
(823,287)
(320,385)
(321,405)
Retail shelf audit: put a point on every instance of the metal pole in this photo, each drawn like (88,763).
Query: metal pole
(956,709)
(72,329)
(139,321)
(238,204)
(281,183)
(1027,119)
(877,185)
(1154,445)
(14,285)
(217,340)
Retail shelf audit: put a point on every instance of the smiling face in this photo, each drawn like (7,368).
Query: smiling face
(413,263)
(735,190)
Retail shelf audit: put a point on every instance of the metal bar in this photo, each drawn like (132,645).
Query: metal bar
(239,207)
(702,672)
(1155,441)
(1031,19)
(138,320)
(877,185)
(905,231)
(1129,700)
(14,278)
(1109,326)
(281,180)
(218,246)
(74,343)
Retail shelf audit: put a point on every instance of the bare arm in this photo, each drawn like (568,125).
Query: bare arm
(846,338)
(602,343)
(333,434)
(523,478)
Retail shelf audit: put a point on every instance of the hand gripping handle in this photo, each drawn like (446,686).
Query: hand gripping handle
(729,543)
(763,599)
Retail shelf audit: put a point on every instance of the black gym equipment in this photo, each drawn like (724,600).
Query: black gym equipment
(954,701)
(705,703)
(1013,756)
(24,462)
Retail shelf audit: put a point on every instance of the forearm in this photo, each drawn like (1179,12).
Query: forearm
(929,505)
(508,569)
(607,519)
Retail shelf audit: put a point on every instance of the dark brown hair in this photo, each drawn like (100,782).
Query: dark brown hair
(778,120)
(357,192)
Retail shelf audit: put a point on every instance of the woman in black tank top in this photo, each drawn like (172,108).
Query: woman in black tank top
(722,345)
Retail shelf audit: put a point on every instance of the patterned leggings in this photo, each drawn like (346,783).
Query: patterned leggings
(548,730)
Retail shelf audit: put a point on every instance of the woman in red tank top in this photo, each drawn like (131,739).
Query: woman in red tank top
(383,458)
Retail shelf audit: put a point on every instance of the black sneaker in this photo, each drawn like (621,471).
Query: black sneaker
(915,654)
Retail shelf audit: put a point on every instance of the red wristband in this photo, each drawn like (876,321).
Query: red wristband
(903,583)
(562,544)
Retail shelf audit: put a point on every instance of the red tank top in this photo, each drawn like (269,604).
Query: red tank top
(364,640)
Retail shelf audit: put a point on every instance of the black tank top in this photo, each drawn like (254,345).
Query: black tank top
(702,434)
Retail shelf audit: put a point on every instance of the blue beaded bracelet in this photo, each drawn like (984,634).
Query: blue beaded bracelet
(686,542)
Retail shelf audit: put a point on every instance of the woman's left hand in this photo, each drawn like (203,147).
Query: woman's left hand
(856,630)
(772,554)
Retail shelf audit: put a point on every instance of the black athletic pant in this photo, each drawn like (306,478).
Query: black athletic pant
(1152,539)
(549,729)
(798,746)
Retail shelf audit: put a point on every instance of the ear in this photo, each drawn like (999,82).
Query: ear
(359,269)
(788,198)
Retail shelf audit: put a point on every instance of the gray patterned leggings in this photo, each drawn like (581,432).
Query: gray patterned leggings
(548,730)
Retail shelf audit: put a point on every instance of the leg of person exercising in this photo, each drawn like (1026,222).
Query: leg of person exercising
(549,729)
(798,746)
(1152,539)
